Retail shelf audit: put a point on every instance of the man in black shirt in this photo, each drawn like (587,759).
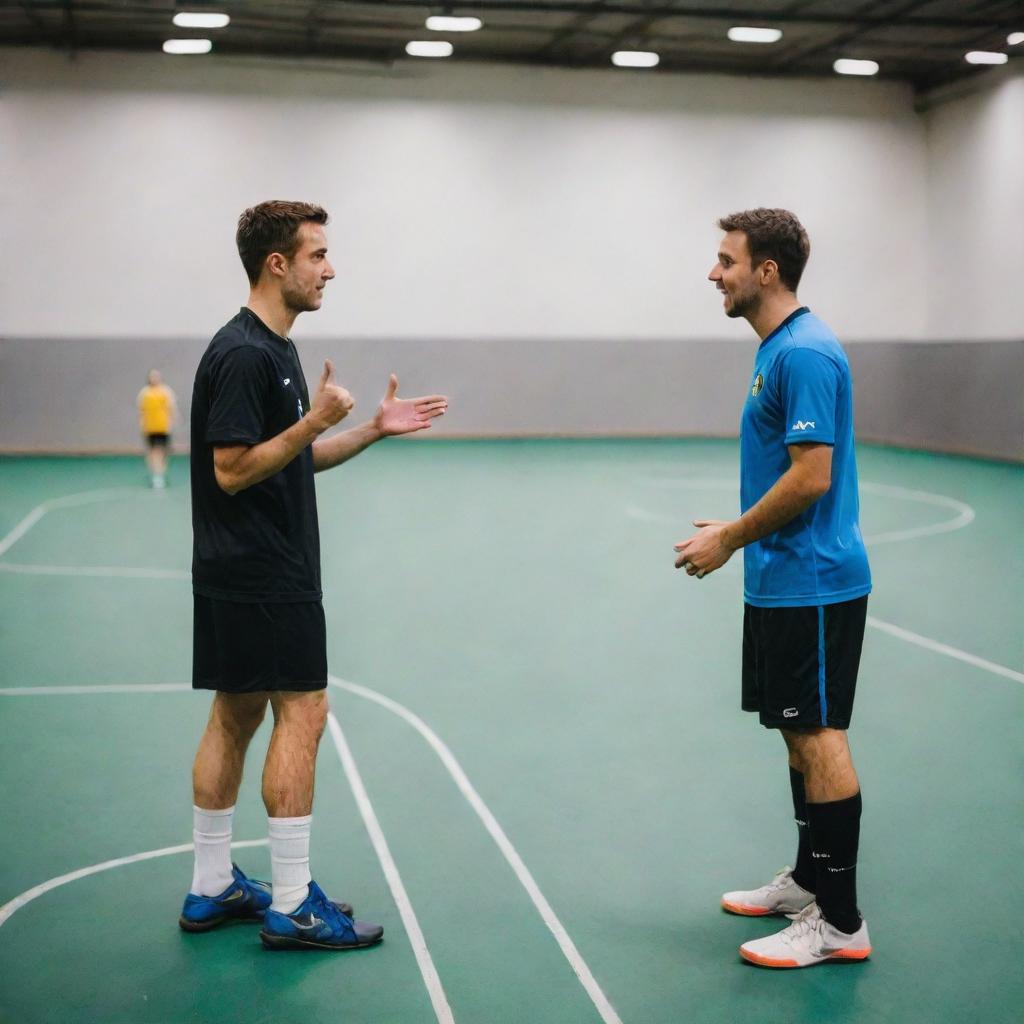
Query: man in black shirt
(259,633)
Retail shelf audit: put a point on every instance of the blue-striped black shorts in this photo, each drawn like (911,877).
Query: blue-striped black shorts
(800,664)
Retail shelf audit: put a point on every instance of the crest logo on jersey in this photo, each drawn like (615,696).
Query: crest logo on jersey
(758,384)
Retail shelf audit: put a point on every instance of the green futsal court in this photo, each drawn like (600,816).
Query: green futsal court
(538,777)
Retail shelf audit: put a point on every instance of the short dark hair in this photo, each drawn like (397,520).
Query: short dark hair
(773,235)
(272,226)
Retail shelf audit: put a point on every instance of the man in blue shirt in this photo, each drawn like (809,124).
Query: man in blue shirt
(806,581)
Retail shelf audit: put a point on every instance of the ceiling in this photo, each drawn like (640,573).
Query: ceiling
(918,41)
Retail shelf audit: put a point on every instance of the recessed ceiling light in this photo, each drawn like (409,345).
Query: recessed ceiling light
(422,48)
(845,66)
(635,59)
(754,35)
(1015,38)
(196,19)
(446,23)
(188,46)
(985,57)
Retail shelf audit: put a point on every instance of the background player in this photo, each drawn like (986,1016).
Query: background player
(158,410)
(259,633)
(806,581)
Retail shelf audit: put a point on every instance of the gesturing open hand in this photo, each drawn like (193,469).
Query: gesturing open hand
(404,415)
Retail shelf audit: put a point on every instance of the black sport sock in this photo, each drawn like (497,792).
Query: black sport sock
(803,873)
(835,835)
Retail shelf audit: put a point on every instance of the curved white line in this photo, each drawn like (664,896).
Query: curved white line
(964,517)
(569,950)
(965,514)
(29,895)
(431,979)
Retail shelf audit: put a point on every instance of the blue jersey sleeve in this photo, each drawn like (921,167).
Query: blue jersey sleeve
(808,387)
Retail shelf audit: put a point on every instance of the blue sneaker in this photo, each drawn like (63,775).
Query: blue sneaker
(245,899)
(317,923)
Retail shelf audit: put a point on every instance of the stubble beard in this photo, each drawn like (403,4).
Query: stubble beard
(743,306)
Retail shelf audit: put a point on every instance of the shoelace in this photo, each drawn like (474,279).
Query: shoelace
(807,921)
(781,880)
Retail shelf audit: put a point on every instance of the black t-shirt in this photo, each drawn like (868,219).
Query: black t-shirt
(261,544)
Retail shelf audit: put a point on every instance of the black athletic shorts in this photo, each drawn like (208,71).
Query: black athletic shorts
(800,664)
(158,440)
(242,648)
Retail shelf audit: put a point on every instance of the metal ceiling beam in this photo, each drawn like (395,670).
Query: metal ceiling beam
(590,7)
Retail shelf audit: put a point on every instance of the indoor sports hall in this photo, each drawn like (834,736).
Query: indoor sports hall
(535,772)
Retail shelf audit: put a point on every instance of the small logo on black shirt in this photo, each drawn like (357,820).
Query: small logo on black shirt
(758,384)
(286,381)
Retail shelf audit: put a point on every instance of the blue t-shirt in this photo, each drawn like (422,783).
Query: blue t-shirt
(801,391)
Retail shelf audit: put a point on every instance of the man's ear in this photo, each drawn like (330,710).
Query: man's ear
(276,264)
(769,271)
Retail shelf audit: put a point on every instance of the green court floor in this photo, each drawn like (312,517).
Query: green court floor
(543,715)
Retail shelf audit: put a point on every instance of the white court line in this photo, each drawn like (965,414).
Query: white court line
(50,691)
(95,570)
(950,652)
(67,501)
(964,517)
(569,950)
(419,946)
(431,979)
(54,883)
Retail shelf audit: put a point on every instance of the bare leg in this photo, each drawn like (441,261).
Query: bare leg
(290,768)
(217,770)
(823,757)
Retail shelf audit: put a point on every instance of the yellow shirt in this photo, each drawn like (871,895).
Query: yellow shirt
(156,406)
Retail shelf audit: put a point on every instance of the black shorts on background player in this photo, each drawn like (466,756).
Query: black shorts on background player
(800,664)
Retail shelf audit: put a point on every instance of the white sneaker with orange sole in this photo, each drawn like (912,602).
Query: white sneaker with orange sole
(780,896)
(809,940)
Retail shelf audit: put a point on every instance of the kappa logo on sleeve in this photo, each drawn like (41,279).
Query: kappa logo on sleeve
(803,425)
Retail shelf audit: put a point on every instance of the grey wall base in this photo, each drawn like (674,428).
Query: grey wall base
(78,395)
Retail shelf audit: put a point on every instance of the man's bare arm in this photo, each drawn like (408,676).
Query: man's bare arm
(809,477)
(237,467)
(394,416)
(329,452)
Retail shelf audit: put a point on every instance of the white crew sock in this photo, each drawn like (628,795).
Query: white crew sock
(289,862)
(211,833)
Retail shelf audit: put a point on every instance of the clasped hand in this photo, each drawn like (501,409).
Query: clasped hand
(706,550)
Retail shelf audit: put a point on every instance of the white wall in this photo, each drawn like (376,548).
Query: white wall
(976,212)
(467,201)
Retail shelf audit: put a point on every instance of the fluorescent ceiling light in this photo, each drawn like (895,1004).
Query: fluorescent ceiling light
(195,19)
(845,66)
(427,49)
(438,23)
(754,35)
(1015,38)
(188,46)
(635,59)
(985,57)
